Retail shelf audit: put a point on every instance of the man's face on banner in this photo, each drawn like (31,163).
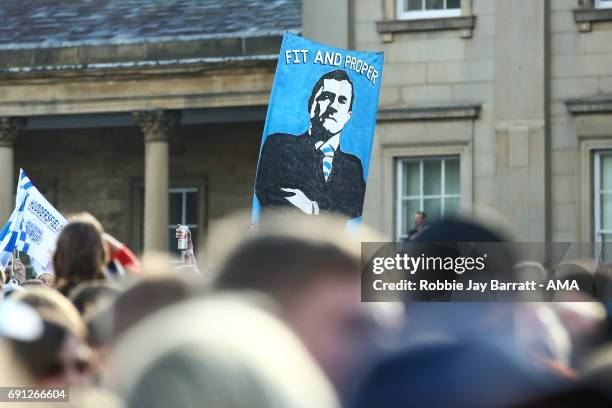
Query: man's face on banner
(331,107)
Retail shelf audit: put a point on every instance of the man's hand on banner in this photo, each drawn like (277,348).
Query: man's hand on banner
(302,202)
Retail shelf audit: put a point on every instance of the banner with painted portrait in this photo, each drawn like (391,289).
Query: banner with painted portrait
(317,140)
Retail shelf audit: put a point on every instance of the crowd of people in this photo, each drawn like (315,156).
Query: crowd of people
(272,317)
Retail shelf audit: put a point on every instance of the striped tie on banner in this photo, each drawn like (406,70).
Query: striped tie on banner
(328,157)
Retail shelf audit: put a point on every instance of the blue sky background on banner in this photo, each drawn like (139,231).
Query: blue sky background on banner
(293,83)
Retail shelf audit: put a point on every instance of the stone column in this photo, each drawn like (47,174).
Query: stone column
(9,130)
(157,127)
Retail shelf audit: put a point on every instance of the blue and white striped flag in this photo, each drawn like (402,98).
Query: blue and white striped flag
(8,239)
(10,233)
(23,186)
(32,228)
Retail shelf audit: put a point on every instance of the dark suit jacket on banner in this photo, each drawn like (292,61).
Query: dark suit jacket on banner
(289,161)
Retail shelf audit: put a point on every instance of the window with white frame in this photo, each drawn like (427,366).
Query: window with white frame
(429,184)
(184,211)
(416,9)
(603,202)
(603,3)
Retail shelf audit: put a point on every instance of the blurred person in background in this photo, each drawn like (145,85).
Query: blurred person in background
(108,314)
(90,297)
(50,304)
(222,350)
(144,298)
(315,278)
(48,278)
(118,258)
(318,290)
(59,357)
(472,354)
(94,300)
(18,322)
(583,271)
(14,275)
(15,270)
(32,282)
(420,224)
(79,256)
(51,359)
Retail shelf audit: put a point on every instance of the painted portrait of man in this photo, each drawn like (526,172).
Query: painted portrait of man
(310,172)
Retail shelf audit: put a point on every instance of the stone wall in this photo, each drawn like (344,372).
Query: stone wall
(432,68)
(581,66)
(530,159)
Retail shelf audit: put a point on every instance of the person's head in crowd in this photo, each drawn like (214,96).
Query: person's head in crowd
(19,322)
(88,218)
(118,258)
(52,305)
(478,354)
(461,230)
(532,328)
(420,225)
(47,278)
(583,271)
(59,357)
(11,288)
(88,297)
(530,270)
(32,282)
(15,270)
(222,350)
(145,298)
(94,300)
(136,300)
(79,256)
(419,219)
(316,280)
(427,321)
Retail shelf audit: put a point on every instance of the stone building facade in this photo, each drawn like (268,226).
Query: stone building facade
(496,109)
(519,92)
(145,114)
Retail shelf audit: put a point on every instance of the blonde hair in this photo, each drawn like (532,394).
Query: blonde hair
(220,351)
(87,218)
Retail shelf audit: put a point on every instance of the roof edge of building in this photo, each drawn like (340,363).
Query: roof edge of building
(145,40)
(170,51)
